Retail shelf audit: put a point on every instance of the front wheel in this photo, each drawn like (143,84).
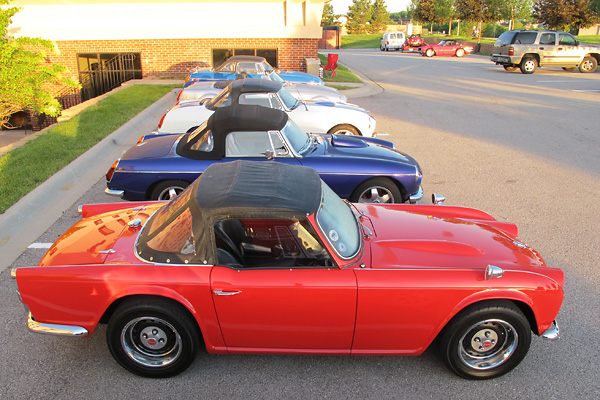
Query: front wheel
(486,341)
(528,65)
(168,190)
(460,52)
(155,338)
(377,190)
(430,53)
(589,64)
(344,129)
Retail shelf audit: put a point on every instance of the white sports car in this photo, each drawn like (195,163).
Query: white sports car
(312,117)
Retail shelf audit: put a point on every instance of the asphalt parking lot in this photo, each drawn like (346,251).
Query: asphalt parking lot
(522,147)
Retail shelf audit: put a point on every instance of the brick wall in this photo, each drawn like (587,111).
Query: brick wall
(174,57)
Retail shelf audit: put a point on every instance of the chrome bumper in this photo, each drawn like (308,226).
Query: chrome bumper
(54,329)
(413,199)
(117,193)
(553,332)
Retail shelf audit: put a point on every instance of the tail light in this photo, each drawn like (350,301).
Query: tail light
(111,171)
(162,120)
(141,139)
(511,51)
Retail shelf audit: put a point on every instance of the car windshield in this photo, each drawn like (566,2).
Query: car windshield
(267,66)
(221,100)
(197,132)
(287,98)
(298,139)
(338,224)
(273,76)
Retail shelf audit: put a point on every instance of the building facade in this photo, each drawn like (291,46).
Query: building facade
(157,38)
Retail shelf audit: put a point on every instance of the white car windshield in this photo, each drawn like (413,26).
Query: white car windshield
(338,224)
(288,99)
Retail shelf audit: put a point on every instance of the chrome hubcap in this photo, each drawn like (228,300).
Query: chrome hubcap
(488,344)
(151,342)
(376,194)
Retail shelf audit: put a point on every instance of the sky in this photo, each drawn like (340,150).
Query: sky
(341,6)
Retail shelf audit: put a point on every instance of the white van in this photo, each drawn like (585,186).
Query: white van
(392,41)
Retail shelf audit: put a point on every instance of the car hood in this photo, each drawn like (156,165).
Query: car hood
(356,147)
(152,147)
(93,239)
(445,237)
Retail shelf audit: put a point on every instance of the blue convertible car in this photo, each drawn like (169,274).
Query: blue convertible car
(356,168)
(250,67)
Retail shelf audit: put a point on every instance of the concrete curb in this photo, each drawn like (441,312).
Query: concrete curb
(39,209)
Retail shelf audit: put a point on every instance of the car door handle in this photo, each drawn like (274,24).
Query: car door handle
(224,293)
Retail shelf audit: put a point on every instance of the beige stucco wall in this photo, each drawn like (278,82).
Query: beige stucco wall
(154,19)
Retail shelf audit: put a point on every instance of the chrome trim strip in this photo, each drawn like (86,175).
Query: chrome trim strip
(117,193)
(222,293)
(553,332)
(54,329)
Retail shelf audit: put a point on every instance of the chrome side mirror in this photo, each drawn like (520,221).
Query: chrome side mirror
(438,199)
(269,154)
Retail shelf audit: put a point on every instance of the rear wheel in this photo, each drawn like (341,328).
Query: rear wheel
(153,338)
(460,52)
(485,341)
(430,53)
(528,65)
(344,129)
(381,48)
(168,190)
(589,64)
(377,190)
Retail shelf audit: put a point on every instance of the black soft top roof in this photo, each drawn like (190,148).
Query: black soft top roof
(238,118)
(256,186)
(252,85)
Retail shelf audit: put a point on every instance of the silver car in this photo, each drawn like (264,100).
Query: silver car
(302,92)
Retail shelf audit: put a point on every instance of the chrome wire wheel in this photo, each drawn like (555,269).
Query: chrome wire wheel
(151,342)
(170,193)
(376,194)
(488,344)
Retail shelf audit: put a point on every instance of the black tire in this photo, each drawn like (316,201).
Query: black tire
(589,64)
(485,341)
(153,338)
(528,65)
(344,129)
(569,69)
(430,53)
(387,49)
(377,190)
(460,52)
(381,48)
(510,68)
(167,190)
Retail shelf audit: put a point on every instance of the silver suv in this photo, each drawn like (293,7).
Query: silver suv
(528,50)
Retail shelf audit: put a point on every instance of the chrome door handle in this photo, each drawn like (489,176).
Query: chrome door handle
(223,293)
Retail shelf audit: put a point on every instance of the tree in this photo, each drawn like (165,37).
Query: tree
(561,14)
(515,9)
(359,16)
(329,18)
(379,17)
(479,11)
(424,11)
(444,10)
(25,73)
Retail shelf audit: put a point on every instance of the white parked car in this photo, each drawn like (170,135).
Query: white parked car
(311,117)
(208,90)
(392,41)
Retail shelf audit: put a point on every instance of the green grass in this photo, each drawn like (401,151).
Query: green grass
(342,74)
(24,168)
(365,41)
(342,87)
(594,39)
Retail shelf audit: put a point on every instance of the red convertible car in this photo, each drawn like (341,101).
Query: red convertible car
(446,48)
(265,258)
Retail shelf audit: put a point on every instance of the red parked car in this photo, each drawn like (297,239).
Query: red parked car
(265,258)
(415,41)
(446,48)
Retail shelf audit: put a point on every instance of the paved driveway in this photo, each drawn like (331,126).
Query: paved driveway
(522,147)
